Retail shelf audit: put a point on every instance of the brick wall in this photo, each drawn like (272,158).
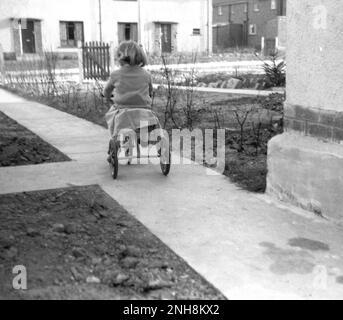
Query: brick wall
(264,19)
(323,124)
(261,18)
(223,18)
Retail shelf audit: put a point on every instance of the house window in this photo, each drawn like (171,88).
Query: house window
(256,7)
(196,32)
(220,11)
(282,8)
(127,31)
(71,33)
(273,5)
(245,7)
(252,29)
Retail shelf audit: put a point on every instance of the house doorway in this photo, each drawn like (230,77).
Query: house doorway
(28,36)
(166,34)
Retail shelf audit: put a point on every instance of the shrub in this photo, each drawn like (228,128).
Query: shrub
(275,72)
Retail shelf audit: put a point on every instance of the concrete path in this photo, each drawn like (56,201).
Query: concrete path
(246,245)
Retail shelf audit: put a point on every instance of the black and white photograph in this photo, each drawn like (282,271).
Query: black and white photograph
(171,155)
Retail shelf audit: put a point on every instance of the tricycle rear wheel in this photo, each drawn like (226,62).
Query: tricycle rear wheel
(114,163)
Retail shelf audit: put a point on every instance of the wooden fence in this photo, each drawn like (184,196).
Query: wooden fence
(96,60)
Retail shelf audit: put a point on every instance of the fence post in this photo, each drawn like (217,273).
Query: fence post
(276,44)
(112,58)
(80,58)
(2,66)
(262,46)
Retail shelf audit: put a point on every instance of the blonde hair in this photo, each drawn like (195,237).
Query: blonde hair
(131,53)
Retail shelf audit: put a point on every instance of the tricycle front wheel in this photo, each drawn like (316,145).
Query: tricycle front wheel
(165,160)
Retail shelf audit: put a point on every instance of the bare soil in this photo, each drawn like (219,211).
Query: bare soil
(78,243)
(19,146)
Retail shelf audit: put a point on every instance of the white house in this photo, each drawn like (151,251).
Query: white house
(32,26)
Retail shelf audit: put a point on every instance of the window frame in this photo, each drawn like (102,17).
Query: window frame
(252,26)
(67,34)
(196,33)
(256,7)
(124,27)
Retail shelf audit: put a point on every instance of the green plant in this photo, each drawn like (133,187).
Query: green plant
(188,108)
(275,72)
(172,94)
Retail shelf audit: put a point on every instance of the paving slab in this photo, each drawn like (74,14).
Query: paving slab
(247,245)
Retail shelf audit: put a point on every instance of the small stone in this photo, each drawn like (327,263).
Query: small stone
(93,279)
(125,224)
(109,275)
(167,295)
(96,260)
(76,274)
(130,251)
(101,249)
(157,285)
(159,265)
(78,253)
(223,85)
(32,232)
(212,85)
(120,279)
(12,252)
(104,214)
(115,277)
(107,261)
(70,228)
(234,83)
(134,251)
(58,227)
(6,242)
(259,86)
(129,262)
(153,251)
(169,270)
(246,83)
(316,207)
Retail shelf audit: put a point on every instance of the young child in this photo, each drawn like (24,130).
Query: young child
(131,86)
